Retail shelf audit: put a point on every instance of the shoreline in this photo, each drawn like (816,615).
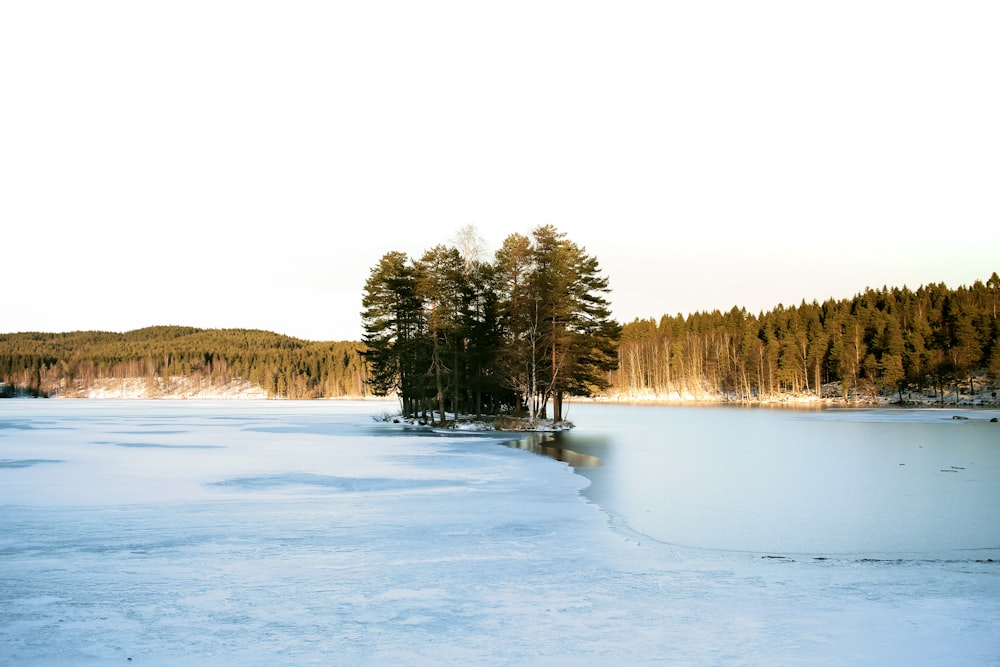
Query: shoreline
(618,399)
(791,402)
(986,395)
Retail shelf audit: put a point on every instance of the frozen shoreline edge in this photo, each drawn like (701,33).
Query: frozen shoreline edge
(178,388)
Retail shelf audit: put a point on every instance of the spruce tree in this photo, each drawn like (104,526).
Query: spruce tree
(393,324)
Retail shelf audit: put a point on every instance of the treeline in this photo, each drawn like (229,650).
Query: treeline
(531,325)
(880,341)
(70,363)
(454,331)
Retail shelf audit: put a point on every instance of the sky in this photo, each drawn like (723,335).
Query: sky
(246,164)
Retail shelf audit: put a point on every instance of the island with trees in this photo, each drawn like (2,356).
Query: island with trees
(451,332)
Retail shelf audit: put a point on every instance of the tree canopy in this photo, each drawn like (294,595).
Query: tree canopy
(880,341)
(449,332)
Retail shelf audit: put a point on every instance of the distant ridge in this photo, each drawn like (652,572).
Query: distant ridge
(75,363)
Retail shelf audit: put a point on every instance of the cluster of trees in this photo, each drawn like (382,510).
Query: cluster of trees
(48,363)
(882,340)
(453,332)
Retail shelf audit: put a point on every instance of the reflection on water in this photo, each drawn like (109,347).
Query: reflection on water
(545,444)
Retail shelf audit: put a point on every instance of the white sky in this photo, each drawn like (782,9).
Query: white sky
(245,164)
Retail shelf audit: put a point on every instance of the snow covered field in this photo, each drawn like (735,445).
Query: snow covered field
(143,532)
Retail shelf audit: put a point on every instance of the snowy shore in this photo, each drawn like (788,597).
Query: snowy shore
(177,387)
(986,393)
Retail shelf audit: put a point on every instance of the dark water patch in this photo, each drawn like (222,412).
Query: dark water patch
(25,463)
(333,483)
(154,445)
(872,560)
(546,444)
(17,426)
(234,420)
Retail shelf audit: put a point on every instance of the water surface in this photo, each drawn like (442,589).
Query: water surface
(880,482)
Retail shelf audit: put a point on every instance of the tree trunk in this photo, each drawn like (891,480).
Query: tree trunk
(439,387)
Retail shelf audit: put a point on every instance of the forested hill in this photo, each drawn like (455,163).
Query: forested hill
(71,363)
(879,343)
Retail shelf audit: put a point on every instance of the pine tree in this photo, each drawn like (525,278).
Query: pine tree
(440,287)
(579,338)
(393,324)
(518,311)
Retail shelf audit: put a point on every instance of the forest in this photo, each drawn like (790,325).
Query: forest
(880,342)
(68,364)
(477,335)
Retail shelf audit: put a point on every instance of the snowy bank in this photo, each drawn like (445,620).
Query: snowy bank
(488,423)
(174,387)
(985,393)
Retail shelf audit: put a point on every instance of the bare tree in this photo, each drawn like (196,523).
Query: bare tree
(470,245)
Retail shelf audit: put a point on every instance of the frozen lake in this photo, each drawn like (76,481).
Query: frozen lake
(861,483)
(306,533)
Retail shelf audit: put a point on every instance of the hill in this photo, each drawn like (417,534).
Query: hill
(210,361)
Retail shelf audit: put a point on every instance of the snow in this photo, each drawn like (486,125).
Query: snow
(271,532)
(174,387)
(983,394)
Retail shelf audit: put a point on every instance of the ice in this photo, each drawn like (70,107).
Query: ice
(305,533)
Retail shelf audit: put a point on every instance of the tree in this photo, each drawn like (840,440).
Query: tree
(578,336)
(440,288)
(993,284)
(393,322)
(481,325)
(891,373)
(519,340)
(470,246)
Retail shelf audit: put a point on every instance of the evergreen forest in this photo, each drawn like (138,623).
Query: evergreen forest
(881,342)
(44,364)
(453,331)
